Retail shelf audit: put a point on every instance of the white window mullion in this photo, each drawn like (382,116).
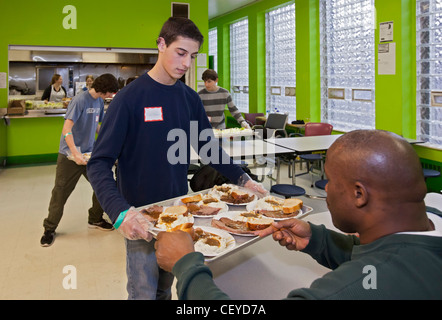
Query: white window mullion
(347,64)
(239,64)
(281,61)
(429,71)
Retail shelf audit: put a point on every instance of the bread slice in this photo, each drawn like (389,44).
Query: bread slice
(237,194)
(186,227)
(291,205)
(195,198)
(175,210)
(259,225)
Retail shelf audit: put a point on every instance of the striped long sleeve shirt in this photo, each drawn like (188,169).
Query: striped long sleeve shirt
(214,104)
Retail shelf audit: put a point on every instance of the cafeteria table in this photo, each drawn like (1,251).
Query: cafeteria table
(306,144)
(302,145)
(246,149)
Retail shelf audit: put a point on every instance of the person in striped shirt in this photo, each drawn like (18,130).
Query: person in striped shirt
(215,98)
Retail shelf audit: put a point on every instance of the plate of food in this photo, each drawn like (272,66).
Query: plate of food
(232,132)
(203,206)
(212,241)
(280,209)
(173,218)
(241,223)
(233,194)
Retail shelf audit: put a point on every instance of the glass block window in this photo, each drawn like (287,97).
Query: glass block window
(281,61)
(239,64)
(347,64)
(213,47)
(429,71)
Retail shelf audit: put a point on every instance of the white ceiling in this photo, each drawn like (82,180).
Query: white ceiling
(220,7)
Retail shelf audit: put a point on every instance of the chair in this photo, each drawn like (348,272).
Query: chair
(274,126)
(320,184)
(430,173)
(251,118)
(315,129)
(287,190)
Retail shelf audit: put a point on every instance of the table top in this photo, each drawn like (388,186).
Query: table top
(306,144)
(247,148)
(314,143)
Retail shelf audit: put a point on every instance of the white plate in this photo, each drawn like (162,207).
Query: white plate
(305,210)
(230,241)
(217,194)
(224,207)
(190,220)
(233,216)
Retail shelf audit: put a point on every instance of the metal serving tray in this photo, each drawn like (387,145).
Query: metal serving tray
(241,241)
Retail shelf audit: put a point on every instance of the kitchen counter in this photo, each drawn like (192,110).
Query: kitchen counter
(39,114)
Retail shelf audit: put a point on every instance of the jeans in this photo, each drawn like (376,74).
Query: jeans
(66,177)
(145,279)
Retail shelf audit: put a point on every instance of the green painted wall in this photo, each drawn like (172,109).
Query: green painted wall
(112,23)
(395,94)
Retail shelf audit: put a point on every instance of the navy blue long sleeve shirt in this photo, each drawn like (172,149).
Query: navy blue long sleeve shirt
(145,128)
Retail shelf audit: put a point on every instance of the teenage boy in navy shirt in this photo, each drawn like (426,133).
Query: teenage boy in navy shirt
(139,130)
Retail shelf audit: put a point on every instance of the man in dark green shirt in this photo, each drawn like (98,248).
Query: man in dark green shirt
(376,190)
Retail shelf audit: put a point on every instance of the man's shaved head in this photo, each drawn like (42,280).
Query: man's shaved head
(381,159)
(376,184)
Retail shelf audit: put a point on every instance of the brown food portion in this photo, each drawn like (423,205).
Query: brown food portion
(278,214)
(202,210)
(237,200)
(209,238)
(224,189)
(152,212)
(239,227)
(168,219)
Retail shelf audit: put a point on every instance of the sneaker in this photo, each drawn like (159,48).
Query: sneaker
(102,225)
(47,239)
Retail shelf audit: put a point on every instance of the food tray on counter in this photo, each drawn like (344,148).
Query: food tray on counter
(233,132)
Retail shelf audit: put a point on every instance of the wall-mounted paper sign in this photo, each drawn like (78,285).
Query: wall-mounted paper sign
(387,58)
(2,80)
(336,93)
(275,91)
(386,31)
(436,99)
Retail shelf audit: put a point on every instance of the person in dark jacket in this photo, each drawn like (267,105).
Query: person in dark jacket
(140,130)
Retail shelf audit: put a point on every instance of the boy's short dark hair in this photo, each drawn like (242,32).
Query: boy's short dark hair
(105,83)
(209,74)
(178,26)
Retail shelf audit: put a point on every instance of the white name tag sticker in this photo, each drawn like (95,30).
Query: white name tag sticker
(153,114)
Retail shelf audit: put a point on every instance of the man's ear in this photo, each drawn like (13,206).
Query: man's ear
(161,44)
(360,194)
